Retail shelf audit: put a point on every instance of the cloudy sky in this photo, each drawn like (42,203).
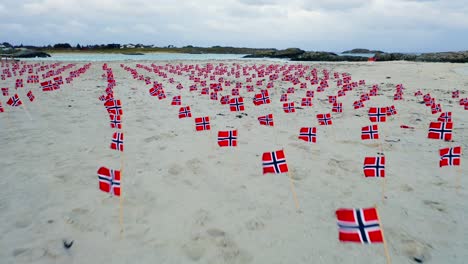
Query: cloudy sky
(331,25)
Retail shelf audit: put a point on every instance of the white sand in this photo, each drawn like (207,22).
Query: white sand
(185,200)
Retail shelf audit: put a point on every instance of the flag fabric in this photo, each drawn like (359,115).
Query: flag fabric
(274,162)
(436,108)
(440,130)
(310,93)
(117,141)
(202,123)
(284,98)
(407,127)
(289,107)
(224,99)
(450,156)
(14,101)
(359,225)
(176,100)
(5,91)
(262,98)
(47,86)
(391,110)
(358,104)
(109,181)
(236,104)
(227,138)
(337,107)
(1,108)
(370,132)
(115,121)
(377,114)
(114,107)
(455,94)
(324,119)
(185,112)
(308,134)
(374,167)
(266,120)
(30,96)
(418,93)
(332,99)
(445,117)
(307,101)
(464,101)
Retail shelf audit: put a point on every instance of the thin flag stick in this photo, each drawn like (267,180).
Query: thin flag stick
(384,182)
(387,255)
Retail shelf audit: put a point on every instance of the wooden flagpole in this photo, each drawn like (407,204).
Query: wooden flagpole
(296,202)
(387,255)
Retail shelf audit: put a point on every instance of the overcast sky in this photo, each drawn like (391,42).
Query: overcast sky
(331,25)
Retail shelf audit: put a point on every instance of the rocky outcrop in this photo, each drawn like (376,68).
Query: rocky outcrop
(326,56)
(395,57)
(356,51)
(30,54)
(280,54)
(459,57)
(132,53)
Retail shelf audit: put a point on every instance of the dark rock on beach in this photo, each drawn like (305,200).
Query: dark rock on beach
(281,54)
(356,51)
(30,54)
(133,53)
(326,56)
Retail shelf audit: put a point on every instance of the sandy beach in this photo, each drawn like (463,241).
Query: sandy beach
(186,200)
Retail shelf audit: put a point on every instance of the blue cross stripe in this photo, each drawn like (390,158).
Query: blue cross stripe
(274,162)
(185,111)
(117,140)
(237,104)
(446,117)
(360,226)
(451,156)
(231,138)
(440,131)
(378,114)
(309,134)
(377,167)
(15,101)
(371,132)
(203,123)
(325,119)
(289,107)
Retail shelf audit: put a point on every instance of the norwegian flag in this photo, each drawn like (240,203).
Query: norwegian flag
(341,93)
(274,162)
(377,114)
(445,117)
(364,97)
(109,181)
(370,132)
(450,156)
(440,130)
(359,225)
(19,83)
(58,80)
(332,99)
(308,134)
(310,93)
(202,123)
(430,102)
(214,96)
(289,107)
(14,101)
(1,108)
(398,97)
(406,127)
(374,167)
(436,108)
(224,99)
(176,100)
(236,104)
(337,107)
(161,95)
(31,96)
(418,93)
(205,90)
(290,90)
(455,94)
(427,97)
(47,86)
(227,138)
(5,91)
(249,88)
(114,107)
(234,92)
(117,142)
(184,112)
(115,121)
(262,98)
(324,119)
(155,91)
(307,101)
(358,104)
(464,101)
(266,120)
(391,110)
(180,86)
(284,98)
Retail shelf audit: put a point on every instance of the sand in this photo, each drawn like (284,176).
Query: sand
(185,200)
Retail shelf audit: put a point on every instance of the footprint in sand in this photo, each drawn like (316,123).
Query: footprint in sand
(215,246)
(195,165)
(417,251)
(435,205)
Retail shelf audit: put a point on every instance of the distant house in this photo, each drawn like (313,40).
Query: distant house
(127,46)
